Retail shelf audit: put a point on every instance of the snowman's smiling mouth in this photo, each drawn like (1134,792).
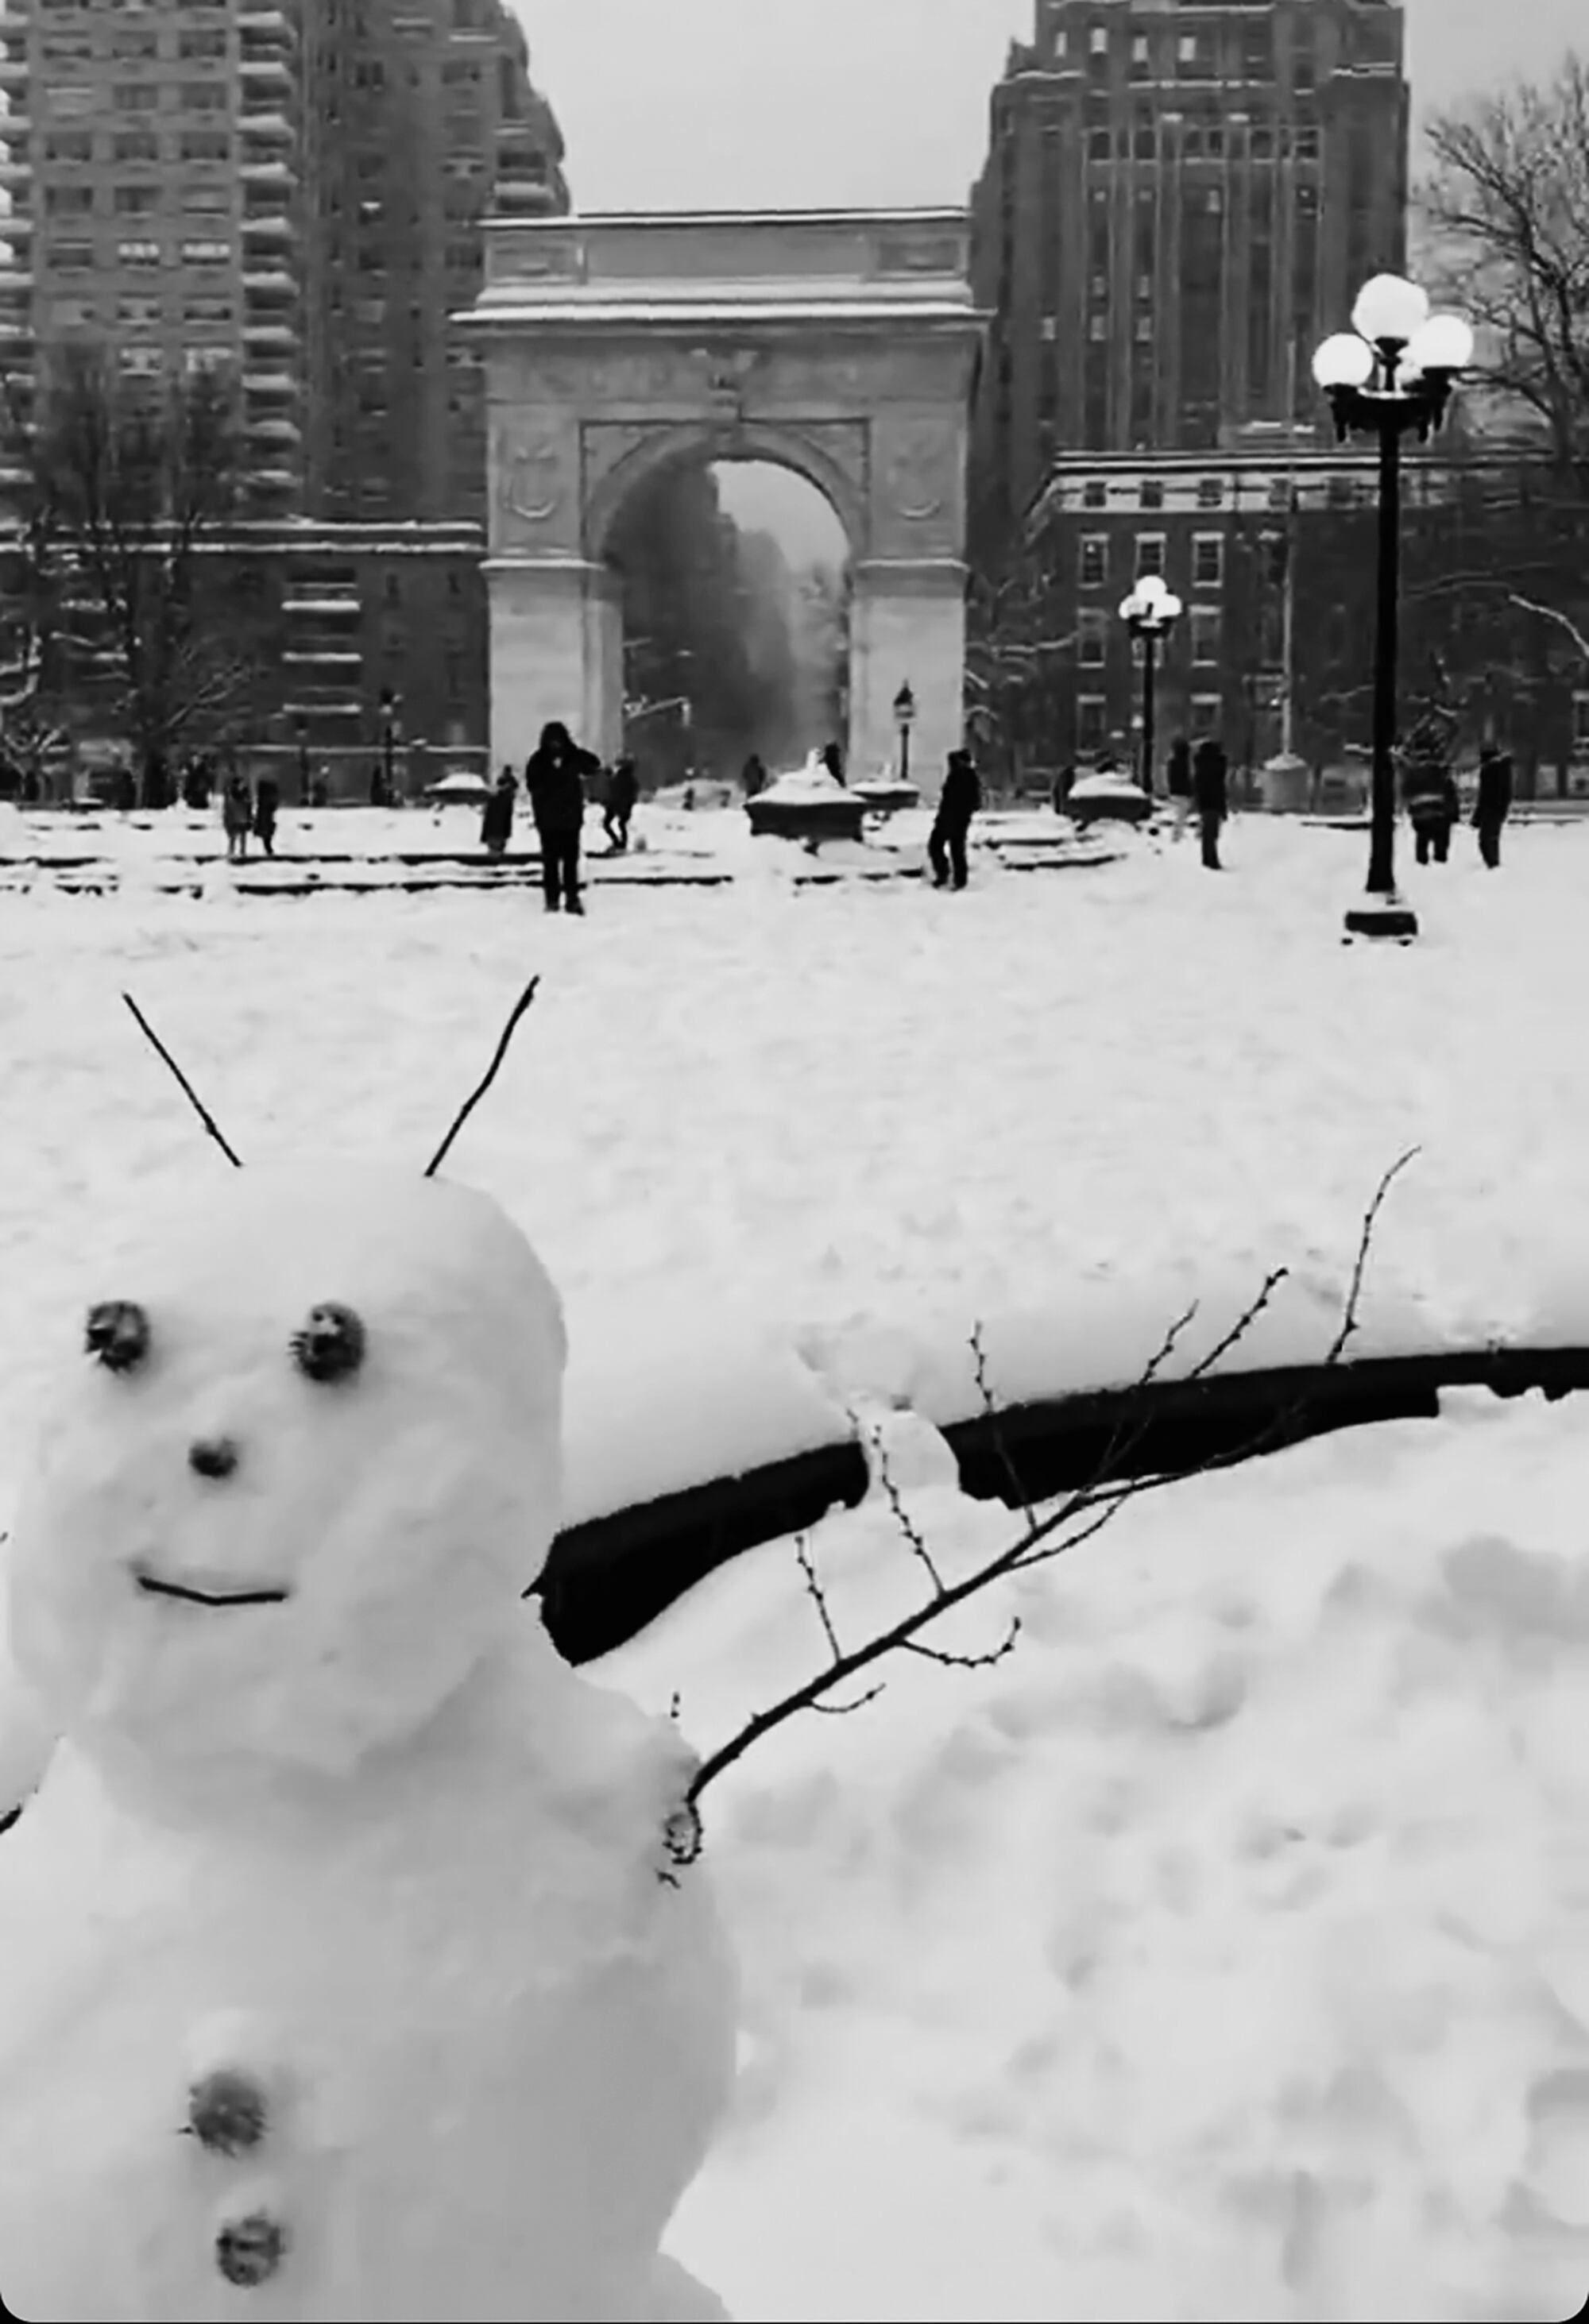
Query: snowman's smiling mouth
(188,1594)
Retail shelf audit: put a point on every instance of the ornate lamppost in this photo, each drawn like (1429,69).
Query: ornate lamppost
(1150,612)
(904,719)
(1390,375)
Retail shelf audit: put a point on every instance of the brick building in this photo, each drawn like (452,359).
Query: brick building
(1230,530)
(1181,199)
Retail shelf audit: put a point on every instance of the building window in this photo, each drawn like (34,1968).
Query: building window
(201,44)
(1307,144)
(1208,560)
(204,96)
(1144,330)
(1050,329)
(1092,721)
(1094,493)
(1205,718)
(141,363)
(1261,145)
(138,253)
(140,42)
(136,97)
(1098,41)
(141,313)
(1581,725)
(1150,493)
(1210,492)
(1092,560)
(1100,145)
(70,145)
(69,201)
(206,145)
(1097,328)
(136,201)
(1150,555)
(206,253)
(1092,640)
(70,257)
(206,310)
(1208,625)
(68,98)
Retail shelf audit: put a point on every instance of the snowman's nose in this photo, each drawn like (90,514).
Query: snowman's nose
(216,1456)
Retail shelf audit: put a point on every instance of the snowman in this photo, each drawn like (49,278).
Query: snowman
(349,1965)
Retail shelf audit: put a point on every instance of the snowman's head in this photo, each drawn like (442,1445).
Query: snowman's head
(303,1464)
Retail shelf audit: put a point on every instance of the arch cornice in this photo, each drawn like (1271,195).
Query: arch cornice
(833,455)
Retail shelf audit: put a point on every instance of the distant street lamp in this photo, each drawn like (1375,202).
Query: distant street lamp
(1390,375)
(301,725)
(904,719)
(1150,612)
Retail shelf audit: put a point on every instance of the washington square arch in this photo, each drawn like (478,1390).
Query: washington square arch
(840,344)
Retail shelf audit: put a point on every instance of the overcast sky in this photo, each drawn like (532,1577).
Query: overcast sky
(737,104)
(730,104)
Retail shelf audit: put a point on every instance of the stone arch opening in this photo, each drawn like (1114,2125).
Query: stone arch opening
(729,562)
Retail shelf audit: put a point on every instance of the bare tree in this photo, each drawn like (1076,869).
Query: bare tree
(127,488)
(1507,207)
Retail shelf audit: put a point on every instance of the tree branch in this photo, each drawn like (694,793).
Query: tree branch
(1078,1518)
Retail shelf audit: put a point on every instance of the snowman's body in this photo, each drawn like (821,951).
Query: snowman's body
(410,1888)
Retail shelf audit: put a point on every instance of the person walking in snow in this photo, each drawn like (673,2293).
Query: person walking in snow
(753,776)
(497,820)
(555,779)
(1494,802)
(623,790)
(267,801)
(1433,804)
(958,802)
(1177,776)
(1211,790)
(237,819)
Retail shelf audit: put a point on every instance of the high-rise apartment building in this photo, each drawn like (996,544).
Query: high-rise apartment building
(153,167)
(425,119)
(1181,198)
(290,187)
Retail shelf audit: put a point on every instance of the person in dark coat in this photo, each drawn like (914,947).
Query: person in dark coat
(1177,779)
(496,821)
(1060,795)
(833,759)
(623,790)
(555,780)
(1494,802)
(1434,806)
(267,801)
(1210,788)
(958,801)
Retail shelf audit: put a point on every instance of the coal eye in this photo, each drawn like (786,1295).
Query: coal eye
(118,1335)
(331,1344)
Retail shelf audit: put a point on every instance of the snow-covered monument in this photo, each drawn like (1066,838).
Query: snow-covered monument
(839,343)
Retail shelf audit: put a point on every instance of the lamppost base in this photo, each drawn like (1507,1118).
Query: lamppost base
(1382,920)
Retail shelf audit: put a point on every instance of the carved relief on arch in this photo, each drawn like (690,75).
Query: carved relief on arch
(833,455)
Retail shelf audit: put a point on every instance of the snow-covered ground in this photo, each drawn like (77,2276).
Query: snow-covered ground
(1221,1953)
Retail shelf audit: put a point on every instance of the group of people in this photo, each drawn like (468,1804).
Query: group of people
(246,811)
(1433,804)
(556,777)
(1198,783)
